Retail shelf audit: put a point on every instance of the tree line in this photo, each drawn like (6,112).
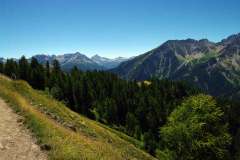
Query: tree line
(166,116)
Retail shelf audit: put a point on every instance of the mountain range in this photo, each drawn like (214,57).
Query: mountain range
(108,63)
(213,67)
(81,61)
(69,60)
(2,59)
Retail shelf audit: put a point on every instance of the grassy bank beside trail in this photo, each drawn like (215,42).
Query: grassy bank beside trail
(67,135)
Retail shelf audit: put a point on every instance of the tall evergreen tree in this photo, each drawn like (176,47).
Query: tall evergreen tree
(47,74)
(11,68)
(37,76)
(56,66)
(23,68)
(47,69)
(1,67)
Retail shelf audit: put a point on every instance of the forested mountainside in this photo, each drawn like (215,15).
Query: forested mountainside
(213,67)
(171,119)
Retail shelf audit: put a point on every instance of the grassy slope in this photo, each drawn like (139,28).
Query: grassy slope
(70,135)
(198,60)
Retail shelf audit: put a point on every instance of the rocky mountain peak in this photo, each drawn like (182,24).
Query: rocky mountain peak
(96,56)
(186,47)
(214,67)
(233,39)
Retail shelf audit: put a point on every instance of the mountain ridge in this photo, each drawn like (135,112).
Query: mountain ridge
(211,66)
(107,62)
(69,60)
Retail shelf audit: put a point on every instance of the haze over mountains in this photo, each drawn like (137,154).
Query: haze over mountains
(214,67)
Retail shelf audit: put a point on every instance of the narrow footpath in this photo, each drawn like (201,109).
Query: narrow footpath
(16,142)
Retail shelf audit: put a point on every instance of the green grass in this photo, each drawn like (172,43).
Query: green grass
(197,60)
(49,119)
(205,58)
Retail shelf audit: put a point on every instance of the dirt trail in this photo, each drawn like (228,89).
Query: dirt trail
(16,143)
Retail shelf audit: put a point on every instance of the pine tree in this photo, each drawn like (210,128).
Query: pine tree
(47,75)
(1,67)
(11,68)
(37,75)
(56,66)
(23,68)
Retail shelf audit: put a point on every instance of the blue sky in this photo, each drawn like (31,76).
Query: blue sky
(110,28)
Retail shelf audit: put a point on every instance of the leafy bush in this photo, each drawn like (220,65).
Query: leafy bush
(195,130)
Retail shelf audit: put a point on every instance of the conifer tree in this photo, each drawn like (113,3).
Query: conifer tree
(23,68)
(11,68)
(1,67)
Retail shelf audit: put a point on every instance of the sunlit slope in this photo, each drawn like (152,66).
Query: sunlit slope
(67,134)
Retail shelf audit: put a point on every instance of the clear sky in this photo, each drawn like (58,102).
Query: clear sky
(110,28)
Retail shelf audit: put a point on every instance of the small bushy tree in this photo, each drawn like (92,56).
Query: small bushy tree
(195,131)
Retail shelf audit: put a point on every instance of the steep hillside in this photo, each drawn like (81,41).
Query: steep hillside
(65,134)
(214,67)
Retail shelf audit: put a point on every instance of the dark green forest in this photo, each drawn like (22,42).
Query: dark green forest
(171,119)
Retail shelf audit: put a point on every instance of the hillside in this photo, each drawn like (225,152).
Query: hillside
(66,134)
(214,67)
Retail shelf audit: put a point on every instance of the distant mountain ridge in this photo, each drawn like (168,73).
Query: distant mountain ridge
(214,67)
(69,60)
(81,61)
(2,60)
(107,62)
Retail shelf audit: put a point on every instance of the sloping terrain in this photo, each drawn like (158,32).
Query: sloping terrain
(214,67)
(63,133)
